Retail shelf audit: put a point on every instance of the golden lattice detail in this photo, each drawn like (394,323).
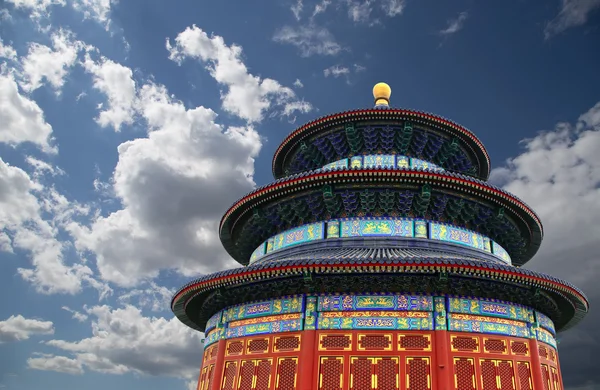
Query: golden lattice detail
(414,342)
(382,342)
(488,374)
(258,346)
(524,376)
(235,347)
(461,343)
(464,373)
(286,373)
(494,345)
(331,373)
(418,376)
(543,351)
(506,374)
(546,377)
(229,375)
(335,342)
(287,343)
(519,348)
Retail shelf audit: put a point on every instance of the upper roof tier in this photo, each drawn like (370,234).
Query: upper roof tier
(382,130)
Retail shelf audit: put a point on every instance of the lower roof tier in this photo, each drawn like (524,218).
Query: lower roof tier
(392,271)
(436,196)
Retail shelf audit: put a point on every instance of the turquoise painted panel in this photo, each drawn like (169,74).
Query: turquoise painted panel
(402,162)
(299,235)
(379,161)
(213,337)
(264,328)
(441,320)
(415,163)
(490,308)
(545,322)
(491,327)
(333,229)
(277,306)
(337,164)
(420,229)
(356,162)
(487,245)
(213,322)
(443,232)
(392,323)
(500,252)
(375,302)
(377,227)
(258,252)
(310,314)
(270,242)
(546,337)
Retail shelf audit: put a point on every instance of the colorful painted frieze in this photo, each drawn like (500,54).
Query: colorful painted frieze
(491,325)
(546,337)
(402,162)
(500,252)
(270,242)
(439,305)
(448,233)
(258,252)
(356,162)
(264,328)
(337,164)
(379,161)
(260,320)
(299,235)
(545,322)
(259,309)
(487,245)
(377,227)
(213,322)
(310,314)
(490,308)
(376,320)
(333,229)
(213,336)
(420,228)
(375,302)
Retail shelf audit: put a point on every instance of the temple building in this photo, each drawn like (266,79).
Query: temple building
(380,259)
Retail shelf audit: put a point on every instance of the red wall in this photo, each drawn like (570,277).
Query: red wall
(382,360)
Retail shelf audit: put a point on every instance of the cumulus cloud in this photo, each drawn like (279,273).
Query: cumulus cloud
(558,175)
(76,315)
(46,362)
(455,25)
(310,40)
(98,10)
(37,8)
(154,297)
(116,82)
(247,96)
(17,328)
(21,119)
(174,186)
(125,341)
(573,13)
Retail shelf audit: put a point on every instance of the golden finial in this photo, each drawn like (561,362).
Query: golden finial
(382,93)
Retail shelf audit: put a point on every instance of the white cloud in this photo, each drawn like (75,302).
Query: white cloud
(17,328)
(456,24)
(573,13)
(21,119)
(116,82)
(558,175)
(320,8)
(156,298)
(125,341)
(336,71)
(298,83)
(297,9)
(41,168)
(43,63)
(97,10)
(38,8)
(174,186)
(359,12)
(62,364)
(76,315)
(6,51)
(247,96)
(393,7)
(310,40)
(359,68)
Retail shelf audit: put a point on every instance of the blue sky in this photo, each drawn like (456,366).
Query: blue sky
(127,128)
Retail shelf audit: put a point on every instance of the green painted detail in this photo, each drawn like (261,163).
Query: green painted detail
(421,201)
(368,201)
(354,137)
(447,150)
(332,202)
(403,138)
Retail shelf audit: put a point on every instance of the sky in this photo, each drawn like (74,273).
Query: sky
(127,128)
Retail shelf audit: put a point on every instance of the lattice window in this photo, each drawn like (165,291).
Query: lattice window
(246,375)
(335,342)
(524,376)
(287,343)
(375,342)
(556,378)
(519,348)
(214,351)
(418,375)
(459,343)
(210,377)
(235,348)
(202,380)
(286,374)
(488,375)
(331,371)
(263,375)
(387,371)
(415,343)
(551,354)
(507,375)
(546,377)
(206,355)
(361,373)
(379,373)
(543,351)
(494,346)
(258,346)
(229,375)
(464,374)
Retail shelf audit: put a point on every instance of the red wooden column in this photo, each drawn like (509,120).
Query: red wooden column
(536,365)
(306,380)
(443,369)
(218,375)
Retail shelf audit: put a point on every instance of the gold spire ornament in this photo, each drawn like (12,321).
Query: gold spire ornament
(382,93)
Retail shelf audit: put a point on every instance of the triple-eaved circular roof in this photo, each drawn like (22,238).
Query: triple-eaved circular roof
(468,141)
